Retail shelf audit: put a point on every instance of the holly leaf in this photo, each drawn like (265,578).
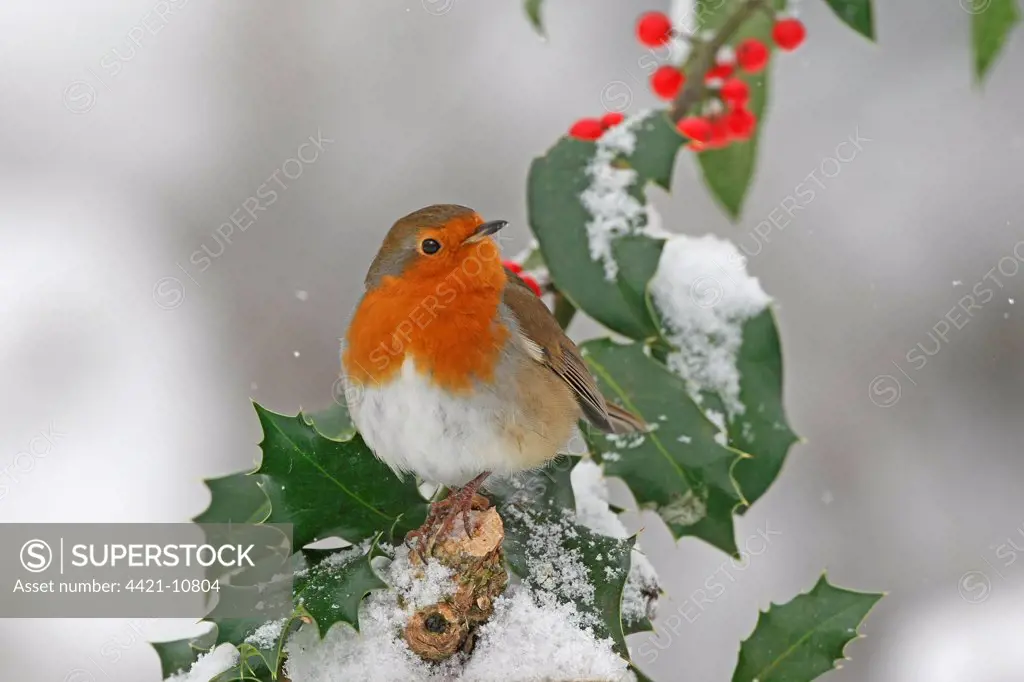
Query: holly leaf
(856,14)
(236,498)
(761,430)
(991,23)
(549,551)
(331,591)
(559,220)
(328,488)
(803,639)
(547,548)
(677,468)
(729,172)
(181,654)
(532,8)
(641,592)
(235,630)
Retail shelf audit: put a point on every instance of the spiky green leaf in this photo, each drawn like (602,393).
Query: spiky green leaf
(332,590)
(802,639)
(236,498)
(532,8)
(991,24)
(856,14)
(761,430)
(677,468)
(330,488)
(729,172)
(559,220)
(548,549)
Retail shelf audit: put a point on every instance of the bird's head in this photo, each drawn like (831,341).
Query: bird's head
(438,242)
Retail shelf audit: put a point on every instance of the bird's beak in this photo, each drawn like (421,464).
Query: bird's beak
(485,230)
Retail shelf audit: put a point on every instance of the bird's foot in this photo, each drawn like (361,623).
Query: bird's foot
(442,516)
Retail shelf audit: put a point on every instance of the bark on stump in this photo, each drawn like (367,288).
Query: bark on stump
(438,631)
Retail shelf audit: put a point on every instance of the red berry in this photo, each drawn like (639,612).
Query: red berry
(789,34)
(719,72)
(513,266)
(721,136)
(532,283)
(654,29)
(586,129)
(666,81)
(741,123)
(610,119)
(752,55)
(697,129)
(735,92)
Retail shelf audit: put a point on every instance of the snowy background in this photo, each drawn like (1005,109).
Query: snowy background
(127,365)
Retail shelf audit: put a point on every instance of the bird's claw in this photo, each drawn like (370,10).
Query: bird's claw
(441,520)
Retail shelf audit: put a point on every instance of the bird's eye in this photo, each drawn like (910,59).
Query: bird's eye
(430,246)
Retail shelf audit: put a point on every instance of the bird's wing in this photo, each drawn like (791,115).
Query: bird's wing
(545,342)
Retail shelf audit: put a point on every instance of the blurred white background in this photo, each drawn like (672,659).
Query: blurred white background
(120,161)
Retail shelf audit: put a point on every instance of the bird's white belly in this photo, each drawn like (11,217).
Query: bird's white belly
(414,426)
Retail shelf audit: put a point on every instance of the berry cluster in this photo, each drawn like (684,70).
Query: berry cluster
(593,128)
(724,117)
(528,280)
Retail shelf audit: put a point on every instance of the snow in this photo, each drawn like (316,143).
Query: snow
(530,640)
(209,665)
(537,631)
(419,587)
(704,295)
(718,419)
(377,652)
(614,212)
(267,635)
(530,636)
(527,639)
(639,597)
(556,573)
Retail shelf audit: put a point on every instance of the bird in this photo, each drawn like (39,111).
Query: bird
(455,370)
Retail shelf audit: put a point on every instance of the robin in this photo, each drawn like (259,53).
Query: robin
(456,369)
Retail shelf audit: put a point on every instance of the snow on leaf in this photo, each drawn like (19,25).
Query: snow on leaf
(331,591)
(725,345)
(588,210)
(702,294)
(209,665)
(563,562)
(687,482)
(641,591)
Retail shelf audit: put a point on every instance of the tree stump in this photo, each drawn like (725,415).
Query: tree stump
(437,631)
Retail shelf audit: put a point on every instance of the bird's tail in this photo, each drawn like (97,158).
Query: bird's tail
(624,421)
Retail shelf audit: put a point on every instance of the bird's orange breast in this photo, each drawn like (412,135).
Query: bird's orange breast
(449,327)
